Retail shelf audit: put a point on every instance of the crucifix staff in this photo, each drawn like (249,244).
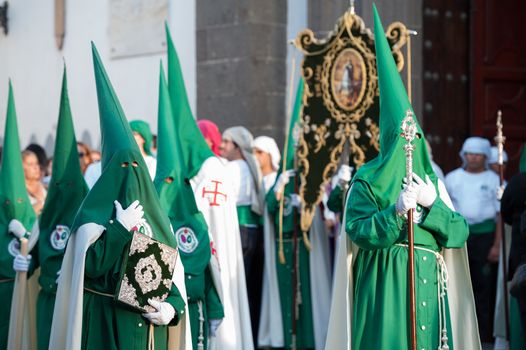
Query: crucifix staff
(499,141)
(409,133)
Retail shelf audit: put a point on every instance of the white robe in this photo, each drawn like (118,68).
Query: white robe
(66,329)
(270,332)
(460,293)
(212,194)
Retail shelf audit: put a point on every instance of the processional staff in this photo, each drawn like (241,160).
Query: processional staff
(409,133)
(499,141)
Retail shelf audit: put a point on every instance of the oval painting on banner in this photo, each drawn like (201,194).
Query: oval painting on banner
(348,79)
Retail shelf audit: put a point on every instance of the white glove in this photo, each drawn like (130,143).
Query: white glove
(283,180)
(406,200)
(164,314)
(427,193)
(130,216)
(16,228)
(344,175)
(21,263)
(214,325)
(295,200)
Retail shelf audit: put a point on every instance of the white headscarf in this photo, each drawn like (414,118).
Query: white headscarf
(494,155)
(268,145)
(244,139)
(477,145)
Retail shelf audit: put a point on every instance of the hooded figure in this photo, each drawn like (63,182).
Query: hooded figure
(142,129)
(177,198)
(15,206)
(122,202)
(213,197)
(375,310)
(66,192)
(312,265)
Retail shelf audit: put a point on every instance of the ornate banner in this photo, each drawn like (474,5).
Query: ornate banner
(340,103)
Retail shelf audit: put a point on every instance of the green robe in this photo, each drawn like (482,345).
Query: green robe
(380,317)
(200,288)
(304,324)
(107,324)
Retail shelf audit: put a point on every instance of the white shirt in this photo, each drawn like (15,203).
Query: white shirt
(241,181)
(269,180)
(474,195)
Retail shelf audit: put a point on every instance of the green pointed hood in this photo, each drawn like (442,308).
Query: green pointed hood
(291,145)
(14,200)
(67,187)
(293,126)
(175,192)
(384,174)
(193,144)
(124,175)
(143,128)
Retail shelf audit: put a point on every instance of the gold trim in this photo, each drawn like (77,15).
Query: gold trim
(349,33)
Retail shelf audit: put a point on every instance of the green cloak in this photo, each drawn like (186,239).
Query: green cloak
(380,317)
(305,331)
(14,205)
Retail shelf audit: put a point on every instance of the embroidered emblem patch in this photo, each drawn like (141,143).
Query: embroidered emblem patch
(14,247)
(59,237)
(186,240)
(143,227)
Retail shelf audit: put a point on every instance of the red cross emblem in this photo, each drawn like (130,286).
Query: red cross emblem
(214,192)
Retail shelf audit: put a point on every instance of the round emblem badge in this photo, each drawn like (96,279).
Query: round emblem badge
(186,240)
(14,247)
(143,227)
(59,237)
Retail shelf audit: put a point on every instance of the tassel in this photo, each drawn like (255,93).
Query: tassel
(281,253)
(306,241)
(151,338)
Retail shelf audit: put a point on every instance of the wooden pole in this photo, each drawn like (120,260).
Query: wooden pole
(60,27)
(409,133)
(21,280)
(411,276)
(281,254)
(499,140)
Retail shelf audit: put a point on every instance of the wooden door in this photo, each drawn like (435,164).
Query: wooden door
(446,78)
(499,72)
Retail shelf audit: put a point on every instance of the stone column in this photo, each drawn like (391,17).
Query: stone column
(241,64)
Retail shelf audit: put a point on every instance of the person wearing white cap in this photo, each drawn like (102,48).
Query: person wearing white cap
(245,175)
(473,189)
(493,160)
(267,153)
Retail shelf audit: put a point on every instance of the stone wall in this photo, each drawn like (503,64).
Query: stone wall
(241,64)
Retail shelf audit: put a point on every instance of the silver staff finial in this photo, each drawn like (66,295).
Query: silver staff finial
(409,131)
